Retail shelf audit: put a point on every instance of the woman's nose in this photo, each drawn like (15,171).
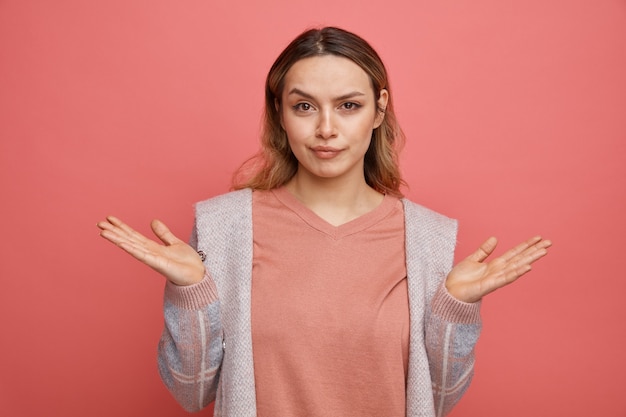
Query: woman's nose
(326,125)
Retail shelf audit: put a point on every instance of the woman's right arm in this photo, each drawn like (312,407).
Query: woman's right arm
(190,349)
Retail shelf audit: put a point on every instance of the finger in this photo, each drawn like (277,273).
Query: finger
(128,232)
(521,265)
(147,252)
(505,272)
(533,254)
(111,232)
(112,224)
(544,244)
(136,251)
(123,236)
(517,250)
(512,274)
(110,235)
(485,250)
(106,224)
(121,239)
(163,232)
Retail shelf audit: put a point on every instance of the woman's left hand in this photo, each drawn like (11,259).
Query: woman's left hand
(473,278)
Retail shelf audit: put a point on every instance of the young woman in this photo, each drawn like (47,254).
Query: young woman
(319,289)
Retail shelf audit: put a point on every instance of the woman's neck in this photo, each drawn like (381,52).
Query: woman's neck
(336,201)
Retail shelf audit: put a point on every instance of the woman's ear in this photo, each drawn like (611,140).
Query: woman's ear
(381,106)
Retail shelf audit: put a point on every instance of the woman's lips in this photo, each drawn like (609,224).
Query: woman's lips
(325,152)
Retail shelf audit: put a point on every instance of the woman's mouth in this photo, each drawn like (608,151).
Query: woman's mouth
(325,152)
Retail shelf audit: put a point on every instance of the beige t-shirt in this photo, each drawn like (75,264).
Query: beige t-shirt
(330,315)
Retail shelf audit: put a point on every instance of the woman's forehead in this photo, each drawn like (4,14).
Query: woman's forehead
(326,73)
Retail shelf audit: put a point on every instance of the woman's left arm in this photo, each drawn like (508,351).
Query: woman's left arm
(453,321)
(473,278)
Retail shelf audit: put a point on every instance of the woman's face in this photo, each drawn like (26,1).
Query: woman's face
(328,110)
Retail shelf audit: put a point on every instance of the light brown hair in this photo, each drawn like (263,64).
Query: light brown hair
(275,164)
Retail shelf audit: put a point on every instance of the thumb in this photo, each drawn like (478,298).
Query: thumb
(484,251)
(163,233)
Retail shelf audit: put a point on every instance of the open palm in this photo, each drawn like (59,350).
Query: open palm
(174,259)
(474,277)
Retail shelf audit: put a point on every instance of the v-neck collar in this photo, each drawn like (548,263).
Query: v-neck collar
(336,232)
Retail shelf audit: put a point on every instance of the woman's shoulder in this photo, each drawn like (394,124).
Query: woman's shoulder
(224,214)
(417,212)
(429,235)
(425,225)
(233,200)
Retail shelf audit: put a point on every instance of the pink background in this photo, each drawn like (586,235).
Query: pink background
(515,114)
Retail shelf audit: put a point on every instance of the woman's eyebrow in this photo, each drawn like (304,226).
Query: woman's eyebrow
(346,96)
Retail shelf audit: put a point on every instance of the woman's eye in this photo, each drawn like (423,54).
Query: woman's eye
(350,106)
(302,107)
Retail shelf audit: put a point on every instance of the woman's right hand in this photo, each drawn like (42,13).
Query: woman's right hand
(174,259)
